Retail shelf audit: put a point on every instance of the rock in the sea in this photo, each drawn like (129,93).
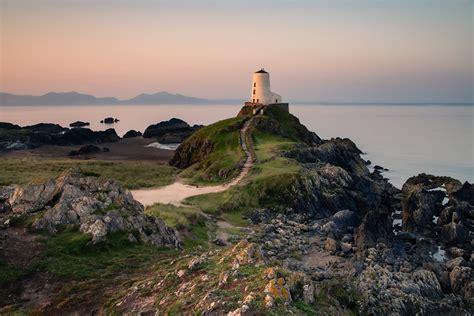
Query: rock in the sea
(97,206)
(422,200)
(79,124)
(132,133)
(160,129)
(53,134)
(108,120)
(170,132)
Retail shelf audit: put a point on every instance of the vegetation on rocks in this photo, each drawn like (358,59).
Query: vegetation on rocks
(212,154)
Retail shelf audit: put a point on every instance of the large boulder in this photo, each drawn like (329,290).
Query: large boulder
(109,120)
(174,131)
(423,201)
(79,136)
(132,133)
(85,150)
(440,207)
(171,126)
(97,206)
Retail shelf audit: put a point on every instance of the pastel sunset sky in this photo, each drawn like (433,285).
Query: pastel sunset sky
(333,50)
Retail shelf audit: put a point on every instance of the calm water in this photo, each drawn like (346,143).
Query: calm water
(406,139)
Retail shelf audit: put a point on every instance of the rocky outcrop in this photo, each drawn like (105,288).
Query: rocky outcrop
(173,131)
(439,208)
(79,124)
(97,206)
(79,136)
(200,145)
(6,125)
(132,133)
(85,150)
(336,178)
(52,134)
(279,122)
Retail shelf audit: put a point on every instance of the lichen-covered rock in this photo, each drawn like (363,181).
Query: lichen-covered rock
(460,277)
(97,206)
(247,253)
(197,262)
(280,288)
(399,293)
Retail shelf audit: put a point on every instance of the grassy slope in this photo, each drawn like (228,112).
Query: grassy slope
(226,154)
(269,177)
(130,174)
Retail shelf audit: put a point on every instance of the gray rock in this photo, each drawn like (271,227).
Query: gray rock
(460,277)
(97,206)
(308,293)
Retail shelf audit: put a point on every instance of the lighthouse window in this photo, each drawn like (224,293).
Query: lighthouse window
(276,100)
(254,84)
(253,91)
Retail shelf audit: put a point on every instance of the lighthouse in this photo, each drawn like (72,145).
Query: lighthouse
(261,96)
(261,92)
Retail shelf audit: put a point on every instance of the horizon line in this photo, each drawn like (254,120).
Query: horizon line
(314,102)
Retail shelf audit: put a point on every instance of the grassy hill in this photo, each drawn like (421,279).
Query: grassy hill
(213,155)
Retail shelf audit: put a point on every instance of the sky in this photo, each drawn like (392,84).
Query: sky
(332,50)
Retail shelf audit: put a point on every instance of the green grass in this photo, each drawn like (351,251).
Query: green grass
(175,216)
(131,174)
(187,219)
(232,205)
(269,177)
(71,255)
(226,154)
(267,146)
(9,273)
(198,236)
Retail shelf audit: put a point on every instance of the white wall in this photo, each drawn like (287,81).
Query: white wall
(261,92)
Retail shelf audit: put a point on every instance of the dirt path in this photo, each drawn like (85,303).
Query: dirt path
(175,193)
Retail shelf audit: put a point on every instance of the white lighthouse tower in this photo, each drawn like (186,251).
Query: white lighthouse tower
(261,97)
(261,93)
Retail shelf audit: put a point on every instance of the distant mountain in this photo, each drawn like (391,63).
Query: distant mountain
(165,98)
(54,98)
(75,98)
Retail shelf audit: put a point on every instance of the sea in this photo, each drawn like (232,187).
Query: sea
(406,139)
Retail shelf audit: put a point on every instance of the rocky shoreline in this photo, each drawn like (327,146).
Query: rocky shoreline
(14,137)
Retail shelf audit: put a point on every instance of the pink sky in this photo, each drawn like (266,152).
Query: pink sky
(321,50)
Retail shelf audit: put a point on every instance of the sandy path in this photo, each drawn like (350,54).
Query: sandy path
(175,193)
